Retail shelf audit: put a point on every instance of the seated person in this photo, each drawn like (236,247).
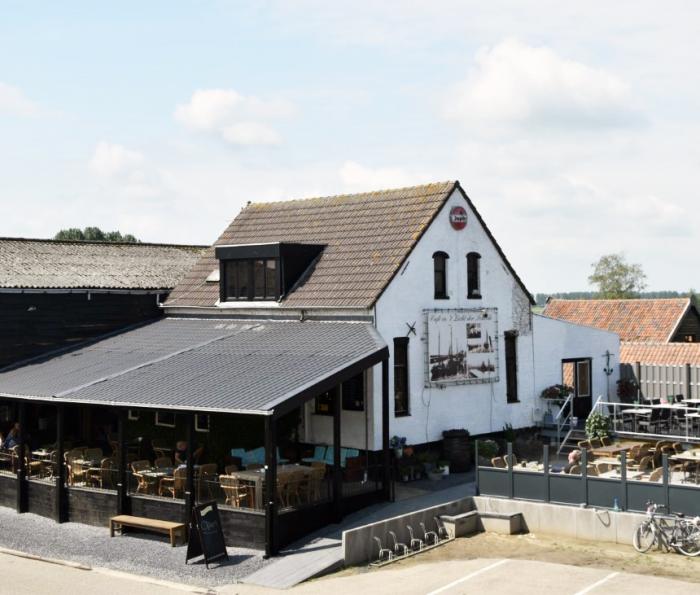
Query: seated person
(12,438)
(181,453)
(574,459)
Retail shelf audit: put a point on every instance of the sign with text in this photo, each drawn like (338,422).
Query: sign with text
(206,536)
(461,346)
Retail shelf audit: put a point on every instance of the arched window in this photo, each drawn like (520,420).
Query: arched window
(440,275)
(473,275)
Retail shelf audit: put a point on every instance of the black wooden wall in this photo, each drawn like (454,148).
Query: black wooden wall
(33,323)
(689,326)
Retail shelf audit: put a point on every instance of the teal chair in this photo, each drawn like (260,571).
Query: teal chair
(318,457)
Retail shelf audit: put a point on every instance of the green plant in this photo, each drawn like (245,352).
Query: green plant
(397,442)
(557,391)
(597,425)
(509,433)
(488,448)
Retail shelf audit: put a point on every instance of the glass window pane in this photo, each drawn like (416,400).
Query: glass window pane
(231,272)
(583,378)
(259,275)
(243,279)
(271,279)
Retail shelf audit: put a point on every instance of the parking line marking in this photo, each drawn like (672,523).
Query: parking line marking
(466,578)
(594,585)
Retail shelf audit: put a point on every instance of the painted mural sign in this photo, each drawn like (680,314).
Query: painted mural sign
(461,346)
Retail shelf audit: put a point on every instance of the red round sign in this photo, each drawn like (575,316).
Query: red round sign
(458,217)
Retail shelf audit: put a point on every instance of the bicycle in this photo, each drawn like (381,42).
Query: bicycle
(672,532)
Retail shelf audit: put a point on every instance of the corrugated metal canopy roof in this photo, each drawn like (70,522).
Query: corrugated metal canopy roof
(196,364)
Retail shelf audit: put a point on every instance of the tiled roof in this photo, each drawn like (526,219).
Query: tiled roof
(51,264)
(661,354)
(197,364)
(633,320)
(367,238)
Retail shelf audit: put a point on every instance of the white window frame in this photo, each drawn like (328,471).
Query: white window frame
(197,427)
(133,415)
(163,424)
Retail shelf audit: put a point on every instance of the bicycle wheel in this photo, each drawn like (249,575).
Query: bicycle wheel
(689,544)
(644,537)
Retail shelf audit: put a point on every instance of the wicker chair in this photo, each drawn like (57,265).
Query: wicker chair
(498,462)
(575,470)
(144,486)
(235,492)
(513,459)
(163,463)
(656,474)
(206,480)
(174,486)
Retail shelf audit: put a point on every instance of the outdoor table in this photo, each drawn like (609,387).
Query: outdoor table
(531,466)
(692,401)
(87,463)
(689,456)
(609,460)
(612,449)
(257,476)
(615,474)
(637,412)
(154,475)
(42,455)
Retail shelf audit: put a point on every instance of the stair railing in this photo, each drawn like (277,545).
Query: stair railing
(563,421)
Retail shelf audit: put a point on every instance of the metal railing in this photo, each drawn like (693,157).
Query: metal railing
(633,419)
(563,421)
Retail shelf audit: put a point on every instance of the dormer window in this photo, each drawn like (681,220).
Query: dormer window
(263,272)
(250,279)
(440,275)
(473,276)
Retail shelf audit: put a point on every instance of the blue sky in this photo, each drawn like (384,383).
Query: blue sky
(572,128)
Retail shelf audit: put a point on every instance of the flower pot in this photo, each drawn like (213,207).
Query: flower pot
(398,452)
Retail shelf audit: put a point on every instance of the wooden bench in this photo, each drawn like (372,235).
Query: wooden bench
(137,522)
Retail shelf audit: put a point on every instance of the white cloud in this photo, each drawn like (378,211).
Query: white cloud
(237,119)
(14,102)
(126,171)
(250,133)
(516,85)
(112,160)
(358,177)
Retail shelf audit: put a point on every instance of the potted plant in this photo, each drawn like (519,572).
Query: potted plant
(556,392)
(397,443)
(487,450)
(597,425)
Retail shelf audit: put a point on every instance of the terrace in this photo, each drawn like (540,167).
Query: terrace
(156,420)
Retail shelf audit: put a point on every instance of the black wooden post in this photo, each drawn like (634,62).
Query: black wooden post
(688,387)
(476,467)
(545,462)
(386,454)
(60,494)
(667,499)
(337,441)
(270,495)
(638,371)
(122,478)
(21,463)
(189,481)
(623,480)
(511,481)
(584,475)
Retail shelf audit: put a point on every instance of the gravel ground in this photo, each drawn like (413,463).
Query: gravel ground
(137,553)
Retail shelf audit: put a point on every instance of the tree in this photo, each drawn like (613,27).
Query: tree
(616,279)
(94,234)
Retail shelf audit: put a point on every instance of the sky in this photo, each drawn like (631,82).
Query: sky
(573,127)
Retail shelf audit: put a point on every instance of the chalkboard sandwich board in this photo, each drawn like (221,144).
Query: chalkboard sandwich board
(206,536)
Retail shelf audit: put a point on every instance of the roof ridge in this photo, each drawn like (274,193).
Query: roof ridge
(621,300)
(367,194)
(101,243)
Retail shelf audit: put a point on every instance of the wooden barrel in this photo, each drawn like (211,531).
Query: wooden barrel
(457,450)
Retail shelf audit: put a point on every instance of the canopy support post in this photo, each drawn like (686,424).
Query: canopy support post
(22,485)
(337,470)
(270,494)
(386,459)
(60,502)
(122,479)
(189,482)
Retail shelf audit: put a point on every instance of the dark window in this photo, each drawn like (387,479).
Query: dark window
(473,275)
(511,338)
(440,274)
(250,279)
(401,400)
(353,397)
